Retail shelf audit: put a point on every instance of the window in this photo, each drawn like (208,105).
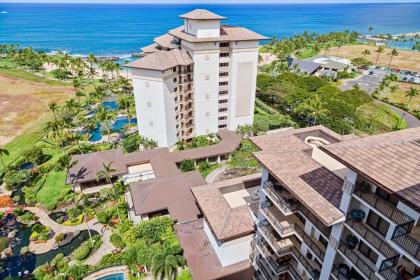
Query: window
(223,118)
(222,110)
(367,252)
(149,104)
(224,64)
(224,54)
(174,69)
(207,77)
(207,96)
(175,89)
(377,223)
(206,57)
(223,74)
(301,218)
(207,131)
(223,83)
(224,44)
(147,84)
(323,241)
(207,114)
(176,99)
(177,126)
(223,92)
(176,108)
(175,80)
(222,126)
(223,101)
(151,123)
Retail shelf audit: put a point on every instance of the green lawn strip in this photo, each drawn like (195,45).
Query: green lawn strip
(205,172)
(54,184)
(19,73)
(306,53)
(383,115)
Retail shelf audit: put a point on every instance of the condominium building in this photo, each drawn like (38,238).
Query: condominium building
(195,80)
(334,207)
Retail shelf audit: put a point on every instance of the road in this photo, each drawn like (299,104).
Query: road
(370,83)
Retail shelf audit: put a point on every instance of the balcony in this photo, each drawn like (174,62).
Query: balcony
(278,221)
(313,244)
(293,270)
(282,198)
(264,271)
(326,231)
(280,246)
(390,274)
(374,239)
(271,267)
(386,208)
(407,241)
(364,265)
(311,267)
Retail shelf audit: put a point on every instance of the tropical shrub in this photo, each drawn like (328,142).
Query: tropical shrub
(13,178)
(103,217)
(59,238)
(81,253)
(75,221)
(116,240)
(131,143)
(200,141)
(187,165)
(184,275)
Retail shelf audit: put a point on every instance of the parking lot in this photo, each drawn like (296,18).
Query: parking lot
(366,82)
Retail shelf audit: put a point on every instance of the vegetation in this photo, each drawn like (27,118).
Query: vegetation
(187,165)
(205,168)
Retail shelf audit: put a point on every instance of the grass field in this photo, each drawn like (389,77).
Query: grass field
(53,185)
(407,60)
(381,114)
(399,96)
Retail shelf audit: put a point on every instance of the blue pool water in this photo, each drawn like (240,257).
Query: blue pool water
(118,125)
(120,29)
(110,105)
(117,276)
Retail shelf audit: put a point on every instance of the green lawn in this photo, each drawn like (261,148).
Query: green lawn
(381,114)
(54,184)
(306,53)
(206,171)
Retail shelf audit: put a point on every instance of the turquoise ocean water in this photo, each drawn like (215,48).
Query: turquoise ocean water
(121,29)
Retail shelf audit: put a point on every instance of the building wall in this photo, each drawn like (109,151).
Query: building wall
(242,83)
(155,105)
(230,252)
(203,28)
(206,84)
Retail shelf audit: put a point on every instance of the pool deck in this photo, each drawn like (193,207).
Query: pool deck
(108,271)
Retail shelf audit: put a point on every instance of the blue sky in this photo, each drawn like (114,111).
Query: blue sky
(210,1)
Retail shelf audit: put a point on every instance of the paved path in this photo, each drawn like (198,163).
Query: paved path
(213,175)
(57,228)
(370,83)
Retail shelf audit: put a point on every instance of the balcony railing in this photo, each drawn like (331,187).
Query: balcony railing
(311,268)
(315,221)
(278,224)
(386,208)
(268,235)
(372,237)
(278,198)
(337,274)
(273,266)
(407,242)
(264,270)
(293,270)
(390,274)
(367,269)
(319,252)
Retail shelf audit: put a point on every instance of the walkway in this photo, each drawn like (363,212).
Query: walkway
(369,84)
(57,228)
(211,177)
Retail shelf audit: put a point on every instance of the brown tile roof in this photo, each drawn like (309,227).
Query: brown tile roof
(150,48)
(390,160)
(162,60)
(170,193)
(227,33)
(201,14)
(165,41)
(313,185)
(227,223)
(202,260)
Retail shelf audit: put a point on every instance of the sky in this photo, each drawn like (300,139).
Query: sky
(210,1)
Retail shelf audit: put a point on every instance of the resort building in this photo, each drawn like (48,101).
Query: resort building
(195,80)
(217,245)
(333,207)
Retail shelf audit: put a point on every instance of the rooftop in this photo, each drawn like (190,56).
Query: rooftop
(202,260)
(170,193)
(201,14)
(390,160)
(162,60)
(305,66)
(224,205)
(294,158)
(227,33)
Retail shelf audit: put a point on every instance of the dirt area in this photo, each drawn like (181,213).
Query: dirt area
(24,103)
(406,60)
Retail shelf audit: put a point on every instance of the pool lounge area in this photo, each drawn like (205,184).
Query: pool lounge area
(117,272)
(97,133)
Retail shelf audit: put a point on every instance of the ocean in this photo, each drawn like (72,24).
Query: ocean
(121,29)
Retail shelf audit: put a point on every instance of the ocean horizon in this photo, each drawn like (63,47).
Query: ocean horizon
(122,29)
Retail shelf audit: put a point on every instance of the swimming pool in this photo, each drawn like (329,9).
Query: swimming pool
(118,125)
(116,276)
(110,105)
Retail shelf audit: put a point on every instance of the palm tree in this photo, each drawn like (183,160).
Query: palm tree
(106,173)
(53,107)
(125,103)
(380,50)
(393,53)
(3,152)
(55,126)
(106,117)
(412,92)
(166,262)
(82,201)
(312,108)
(366,52)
